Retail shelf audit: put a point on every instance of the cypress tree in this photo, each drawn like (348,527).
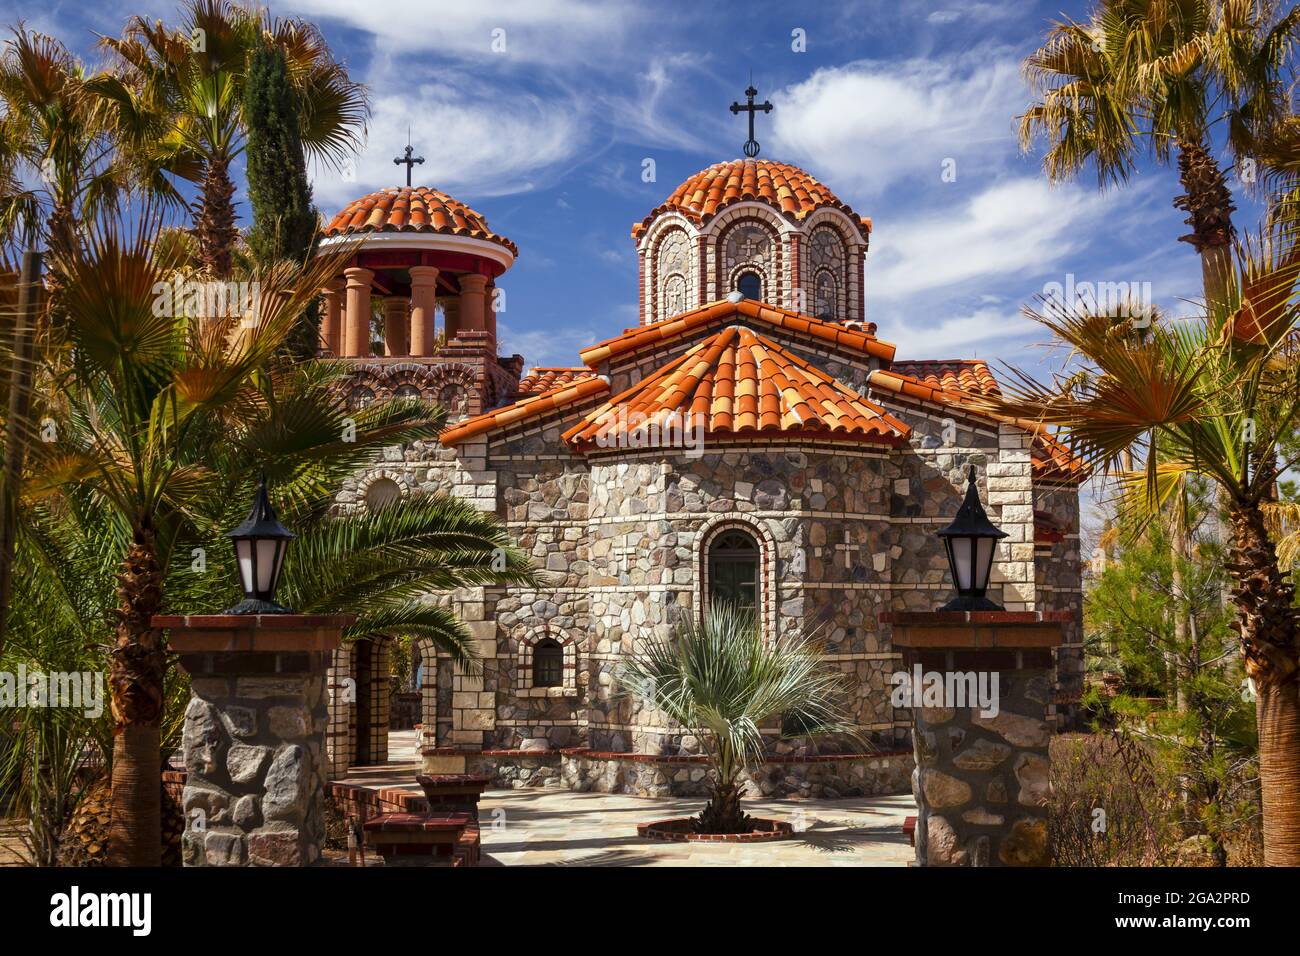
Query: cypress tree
(284,219)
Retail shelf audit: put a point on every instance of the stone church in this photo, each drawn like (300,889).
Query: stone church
(753,438)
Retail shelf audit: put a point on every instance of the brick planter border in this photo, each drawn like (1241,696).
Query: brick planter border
(678,830)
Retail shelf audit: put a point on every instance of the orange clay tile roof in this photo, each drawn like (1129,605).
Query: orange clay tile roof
(534,406)
(1052,460)
(786,188)
(740,384)
(543,379)
(413,209)
(959,375)
(717,313)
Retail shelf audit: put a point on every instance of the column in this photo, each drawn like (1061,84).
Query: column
(424,305)
(396,325)
(472,293)
(982,766)
(254,735)
(490,311)
(356,322)
(450,317)
(331,328)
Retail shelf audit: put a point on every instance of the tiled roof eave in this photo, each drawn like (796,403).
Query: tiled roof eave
(524,411)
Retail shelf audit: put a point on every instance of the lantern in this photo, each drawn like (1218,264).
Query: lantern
(970,541)
(260,545)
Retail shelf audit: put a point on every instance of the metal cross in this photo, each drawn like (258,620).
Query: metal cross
(751,144)
(409,161)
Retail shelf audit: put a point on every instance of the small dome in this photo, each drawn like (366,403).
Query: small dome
(786,188)
(413,209)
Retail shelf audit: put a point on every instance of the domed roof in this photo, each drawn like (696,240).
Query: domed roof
(413,209)
(788,189)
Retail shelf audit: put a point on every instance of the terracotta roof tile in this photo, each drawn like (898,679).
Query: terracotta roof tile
(786,188)
(534,406)
(961,375)
(543,379)
(1052,460)
(726,311)
(413,209)
(741,383)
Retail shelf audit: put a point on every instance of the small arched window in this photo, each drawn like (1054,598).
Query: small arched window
(750,285)
(733,570)
(548,663)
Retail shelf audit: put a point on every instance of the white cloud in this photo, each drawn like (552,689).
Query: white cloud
(548,347)
(472,140)
(981,333)
(868,124)
(1020,227)
(535,31)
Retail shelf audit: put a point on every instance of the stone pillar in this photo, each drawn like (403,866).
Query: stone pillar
(1011,491)
(424,305)
(396,325)
(472,289)
(254,735)
(982,774)
(356,322)
(331,328)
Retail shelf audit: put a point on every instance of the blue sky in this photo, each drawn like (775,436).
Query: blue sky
(548,136)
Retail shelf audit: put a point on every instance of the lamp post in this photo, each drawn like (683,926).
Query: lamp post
(970,541)
(260,545)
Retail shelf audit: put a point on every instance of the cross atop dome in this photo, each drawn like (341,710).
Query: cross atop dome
(408,161)
(751,145)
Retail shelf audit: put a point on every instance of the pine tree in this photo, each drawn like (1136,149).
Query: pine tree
(284,219)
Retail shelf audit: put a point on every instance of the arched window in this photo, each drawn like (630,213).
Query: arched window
(734,569)
(548,663)
(750,285)
(382,493)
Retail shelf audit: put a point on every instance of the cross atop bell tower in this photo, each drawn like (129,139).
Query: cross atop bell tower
(751,144)
(408,161)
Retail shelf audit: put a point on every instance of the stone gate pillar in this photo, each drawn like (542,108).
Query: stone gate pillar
(254,735)
(982,774)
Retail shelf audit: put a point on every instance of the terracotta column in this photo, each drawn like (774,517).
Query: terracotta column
(356,323)
(472,294)
(490,311)
(396,320)
(331,328)
(424,303)
(451,317)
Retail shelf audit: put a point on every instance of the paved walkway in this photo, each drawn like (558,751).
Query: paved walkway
(549,827)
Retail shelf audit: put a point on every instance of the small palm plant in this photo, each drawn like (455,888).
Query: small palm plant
(720,680)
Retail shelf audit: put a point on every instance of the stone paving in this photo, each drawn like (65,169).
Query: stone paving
(555,827)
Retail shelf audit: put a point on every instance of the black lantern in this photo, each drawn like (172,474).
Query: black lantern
(970,541)
(260,544)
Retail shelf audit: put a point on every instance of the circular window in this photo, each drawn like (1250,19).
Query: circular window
(382,492)
(407,391)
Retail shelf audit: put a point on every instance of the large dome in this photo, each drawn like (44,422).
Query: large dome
(413,209)
(786,188)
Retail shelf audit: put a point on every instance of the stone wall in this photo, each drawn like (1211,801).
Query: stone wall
(824,777)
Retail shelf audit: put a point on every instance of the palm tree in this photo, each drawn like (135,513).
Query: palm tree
(183,94)
(1164,75)
(58,165)
(1217,396)
(153,395)
(721,680)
